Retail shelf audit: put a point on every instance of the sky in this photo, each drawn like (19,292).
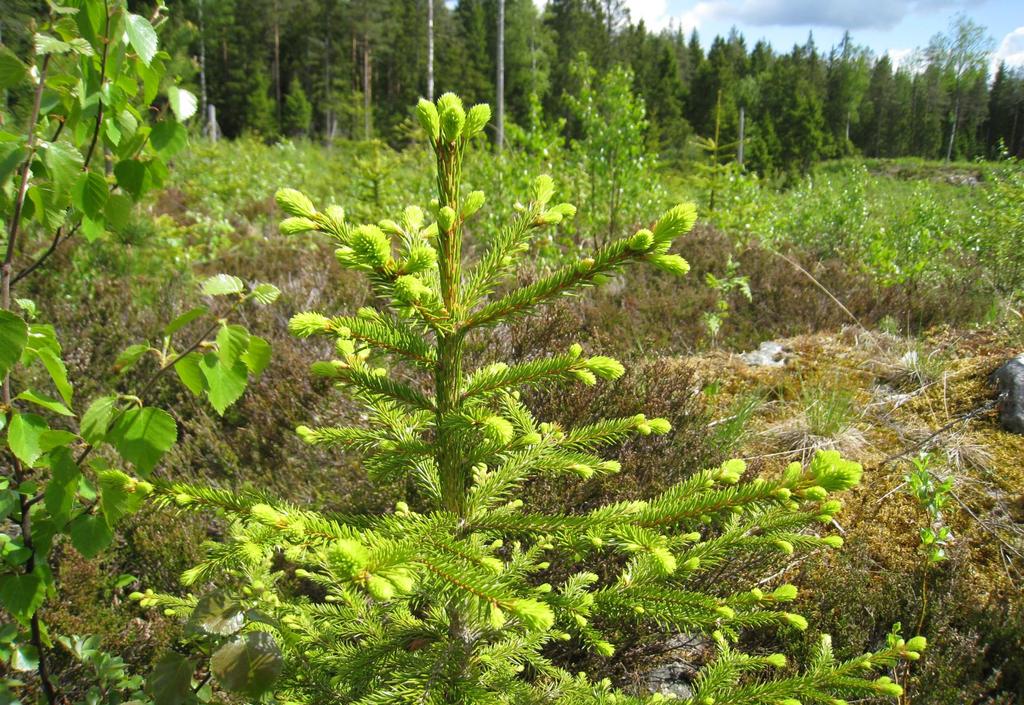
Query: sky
(887,26)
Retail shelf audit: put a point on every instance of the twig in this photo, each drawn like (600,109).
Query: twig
(974,413)
(820,286)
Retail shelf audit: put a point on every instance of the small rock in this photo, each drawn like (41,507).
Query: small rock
(675,678)
(672,680)
(768,354)
(1009,381)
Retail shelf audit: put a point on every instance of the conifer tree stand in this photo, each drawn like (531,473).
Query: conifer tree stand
(458,595)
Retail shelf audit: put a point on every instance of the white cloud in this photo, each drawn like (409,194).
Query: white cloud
(654,13)
(899,56)
(842,14)
(1011,49)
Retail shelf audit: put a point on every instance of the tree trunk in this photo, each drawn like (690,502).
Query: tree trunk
(739,148)
(366,89)
(203,100)
(277,61)
(430,50)
(952,131)
(328,88)
(501,75)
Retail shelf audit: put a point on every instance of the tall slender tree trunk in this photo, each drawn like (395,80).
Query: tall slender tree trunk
(739,148)
(277,60)
(367,87)
(203,100)
(328,79)
(952,131)
(430,50)
(501,75)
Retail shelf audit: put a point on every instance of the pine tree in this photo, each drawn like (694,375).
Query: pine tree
(259,107)
(456,595)
(298,113)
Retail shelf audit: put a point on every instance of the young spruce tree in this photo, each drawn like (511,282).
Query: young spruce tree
(450,598)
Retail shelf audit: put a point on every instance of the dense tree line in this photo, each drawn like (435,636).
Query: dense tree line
(351,68)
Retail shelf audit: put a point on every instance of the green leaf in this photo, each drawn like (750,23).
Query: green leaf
(131,177)
(12,71)
(168,138)
(59,496)
(58,371)
(248,664)
(222,285)
(118,211)
(90,194)
(63,164)
(45,44)
(170,683)
(131,355)
(217,614)
(96,419)
(23,437)
(21,595)
(120,495)
(184,319)
(266,293)
(13,337)
(257,357)
(46,402)
(182,103)
(90,535)
(93,228)
(188,371)
(25,658)
(225,384)
(124,580)
(142,37)
(142,436)
(232,341)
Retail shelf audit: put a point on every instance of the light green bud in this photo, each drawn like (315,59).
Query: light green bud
(887,687)
(453,116)
(303,325)
(833,541)
(429,119)
(795,620)
(675,222)
(411,289)
(477,119)
(606,368)
(604,648)
(815,493)
(776,660)
(294,226)
(784,546)
(566,210)
(917,643)
(295,203)
(380,588)
(785,593)
(542,190)
(472,203)
(641,240)
(498,429)
(445,218)
(673,264)
(660,426)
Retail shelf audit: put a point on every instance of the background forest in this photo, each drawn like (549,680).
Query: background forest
(330,69)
